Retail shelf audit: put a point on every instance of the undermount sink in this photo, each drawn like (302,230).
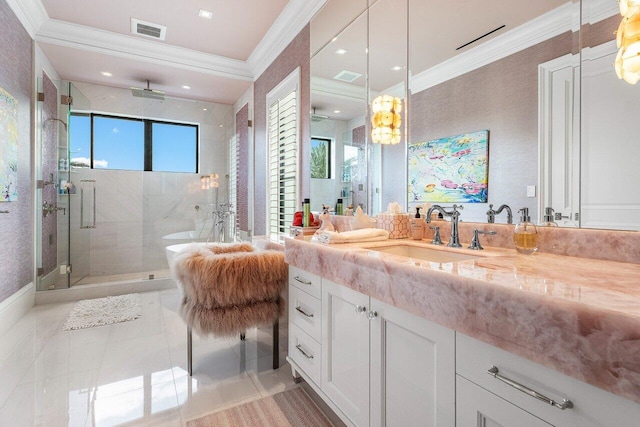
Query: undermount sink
(426,254)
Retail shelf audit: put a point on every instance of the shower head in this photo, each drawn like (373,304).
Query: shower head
(147,93)
(55,119)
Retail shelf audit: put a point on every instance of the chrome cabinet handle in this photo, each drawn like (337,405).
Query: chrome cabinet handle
(304,353)
(360,309)
(303,312)
(372,315)
(565,404)
(304,282)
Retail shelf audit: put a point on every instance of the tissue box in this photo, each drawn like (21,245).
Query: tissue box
(396,224)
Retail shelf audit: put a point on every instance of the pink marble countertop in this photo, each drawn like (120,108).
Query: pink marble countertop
(576,315)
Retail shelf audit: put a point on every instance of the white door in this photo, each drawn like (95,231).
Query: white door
(558,101)
(412,370)
(477,407)
(345,350)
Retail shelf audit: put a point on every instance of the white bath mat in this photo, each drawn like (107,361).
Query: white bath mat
(103,311)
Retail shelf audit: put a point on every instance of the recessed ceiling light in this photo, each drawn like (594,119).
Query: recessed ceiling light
(204,109)
(106,73)
(334,39)
(397,68)
(186,87)
(221,126)
(341,51)
(205,14)
(336,111)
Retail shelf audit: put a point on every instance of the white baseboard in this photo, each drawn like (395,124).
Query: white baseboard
(17,305)
(101,290)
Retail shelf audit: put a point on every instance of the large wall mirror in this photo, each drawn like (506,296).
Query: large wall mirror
(560,123)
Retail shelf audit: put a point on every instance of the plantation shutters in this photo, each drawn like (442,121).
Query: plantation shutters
(282,162)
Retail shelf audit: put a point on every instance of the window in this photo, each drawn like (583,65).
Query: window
(282,166)
(109,142)
(320,158)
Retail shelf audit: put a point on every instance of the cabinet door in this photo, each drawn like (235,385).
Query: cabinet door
(477,407)
(345,350)
(412,370)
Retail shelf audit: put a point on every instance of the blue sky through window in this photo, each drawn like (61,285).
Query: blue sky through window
(174,148)
(119,143)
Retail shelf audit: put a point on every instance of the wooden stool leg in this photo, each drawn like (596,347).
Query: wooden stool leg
(276,344)
(189,351)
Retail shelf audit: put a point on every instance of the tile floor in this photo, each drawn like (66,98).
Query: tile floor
(131,373)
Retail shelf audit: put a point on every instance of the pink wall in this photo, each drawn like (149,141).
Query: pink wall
(242,180)
(295,55)
(16,231)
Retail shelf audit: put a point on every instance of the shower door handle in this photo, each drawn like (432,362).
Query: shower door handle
(93,186)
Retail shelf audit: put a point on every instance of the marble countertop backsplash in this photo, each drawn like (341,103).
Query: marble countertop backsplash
(574,306)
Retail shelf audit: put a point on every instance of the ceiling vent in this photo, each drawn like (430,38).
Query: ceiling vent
(147,93)
(148,29)
(347,76)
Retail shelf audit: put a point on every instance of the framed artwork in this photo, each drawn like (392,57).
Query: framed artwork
(320,157)
(450,170)
(8,147)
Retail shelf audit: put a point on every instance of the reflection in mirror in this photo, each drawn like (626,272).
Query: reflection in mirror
(338,106)
(482,74)
(610,128)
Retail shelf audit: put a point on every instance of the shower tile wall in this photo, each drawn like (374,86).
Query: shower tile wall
(135,209)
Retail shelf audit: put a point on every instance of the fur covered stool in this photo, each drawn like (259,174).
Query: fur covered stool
(228,288)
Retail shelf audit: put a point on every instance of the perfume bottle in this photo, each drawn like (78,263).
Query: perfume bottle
(525,234)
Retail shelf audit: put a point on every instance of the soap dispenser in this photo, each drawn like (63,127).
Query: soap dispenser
(416,226)
(525,234)
(548,218)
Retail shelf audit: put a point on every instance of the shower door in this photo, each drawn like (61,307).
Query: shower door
(56,185)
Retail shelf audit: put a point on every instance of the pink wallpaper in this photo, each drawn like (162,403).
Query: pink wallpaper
(242,184)
(16,231)
(295,55)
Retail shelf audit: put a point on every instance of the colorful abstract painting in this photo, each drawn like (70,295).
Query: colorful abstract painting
(8,147)
(451,169)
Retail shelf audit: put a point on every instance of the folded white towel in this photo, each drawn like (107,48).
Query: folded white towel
(363,235)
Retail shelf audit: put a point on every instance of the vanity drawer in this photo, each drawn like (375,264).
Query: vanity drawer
(305,312)
(592,406)
(308,282)
(305,351)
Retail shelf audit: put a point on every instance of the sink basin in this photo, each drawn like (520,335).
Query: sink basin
(426,254)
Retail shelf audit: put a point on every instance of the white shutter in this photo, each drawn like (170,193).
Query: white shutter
(234,159)
(282,163)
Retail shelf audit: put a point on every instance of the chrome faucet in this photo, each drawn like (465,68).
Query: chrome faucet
(454,240)
(491,214)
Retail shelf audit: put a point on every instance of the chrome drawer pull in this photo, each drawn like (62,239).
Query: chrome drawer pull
(303,312)
(304,282)
(304,353)
(566,403)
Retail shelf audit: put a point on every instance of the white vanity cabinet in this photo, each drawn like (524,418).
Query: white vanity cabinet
(383,366)
(484,400)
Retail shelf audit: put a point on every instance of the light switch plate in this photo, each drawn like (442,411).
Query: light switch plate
(531,191)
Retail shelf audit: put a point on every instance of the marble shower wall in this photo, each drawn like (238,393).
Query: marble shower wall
(135,209)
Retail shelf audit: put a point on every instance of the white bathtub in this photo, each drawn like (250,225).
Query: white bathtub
(191,236)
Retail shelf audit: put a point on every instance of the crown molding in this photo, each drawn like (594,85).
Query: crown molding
(291,21)
(598,10)
(551,24)
(106,42)
(338,89)
(30,13)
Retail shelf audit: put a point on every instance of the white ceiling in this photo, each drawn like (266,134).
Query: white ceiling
(217,58)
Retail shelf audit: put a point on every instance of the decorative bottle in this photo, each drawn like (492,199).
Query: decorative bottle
(525,234)
(306,212)
(416,226)
(339,207)
(548,218)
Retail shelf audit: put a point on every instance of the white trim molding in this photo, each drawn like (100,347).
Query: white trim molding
(295,15)
(17,305)
(291,21)
(551,24)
